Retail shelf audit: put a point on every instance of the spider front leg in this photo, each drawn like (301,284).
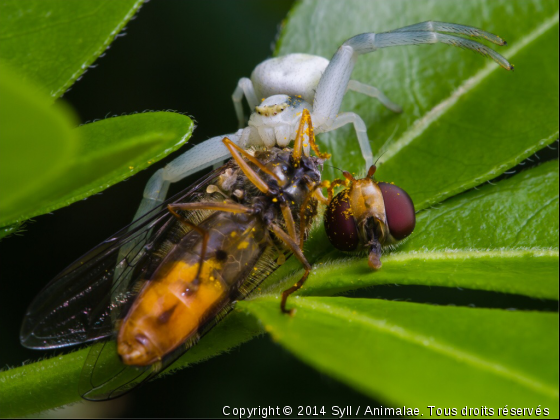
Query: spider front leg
(201,156)
(336,78)
(244,88)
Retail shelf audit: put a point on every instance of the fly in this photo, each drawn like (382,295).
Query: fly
(368,215)
(162,283)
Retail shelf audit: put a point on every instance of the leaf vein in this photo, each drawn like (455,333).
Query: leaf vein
(440,346)
(423,123)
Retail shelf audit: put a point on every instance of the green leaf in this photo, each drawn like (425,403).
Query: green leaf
(46,165)
(108,152)
(516,213)
(465,119)
(472,357)
(33,128)
(53,42)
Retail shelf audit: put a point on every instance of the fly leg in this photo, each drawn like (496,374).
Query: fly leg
(306,125)
(296,250)
(289,239)
(334,184)
(202,232)
(238,154)
(209,205)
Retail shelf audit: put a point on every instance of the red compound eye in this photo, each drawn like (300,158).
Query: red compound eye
(399,210)
(340,224)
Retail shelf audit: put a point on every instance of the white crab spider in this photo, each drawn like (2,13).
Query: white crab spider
(297,81)
(296,75)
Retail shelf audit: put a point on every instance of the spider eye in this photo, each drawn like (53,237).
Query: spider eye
(399,210)
(340,224)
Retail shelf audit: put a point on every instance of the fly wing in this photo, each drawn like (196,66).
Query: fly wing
(83,302)
(105,377)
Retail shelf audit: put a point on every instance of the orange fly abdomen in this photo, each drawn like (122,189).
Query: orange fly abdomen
(168,310)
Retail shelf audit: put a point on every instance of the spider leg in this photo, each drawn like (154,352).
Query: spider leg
(210,152)
(361,132)
(199,157)
(452,28)
(372,42)
(336,78)
(373,92)
(244,88)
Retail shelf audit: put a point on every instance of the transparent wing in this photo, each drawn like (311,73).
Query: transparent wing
(105,377)
(82,303)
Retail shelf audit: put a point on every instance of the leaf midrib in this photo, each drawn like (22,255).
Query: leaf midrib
(457,254)
(435,344)
(460,254)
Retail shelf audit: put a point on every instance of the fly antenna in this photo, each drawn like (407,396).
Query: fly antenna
(377,160)
(332,166)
